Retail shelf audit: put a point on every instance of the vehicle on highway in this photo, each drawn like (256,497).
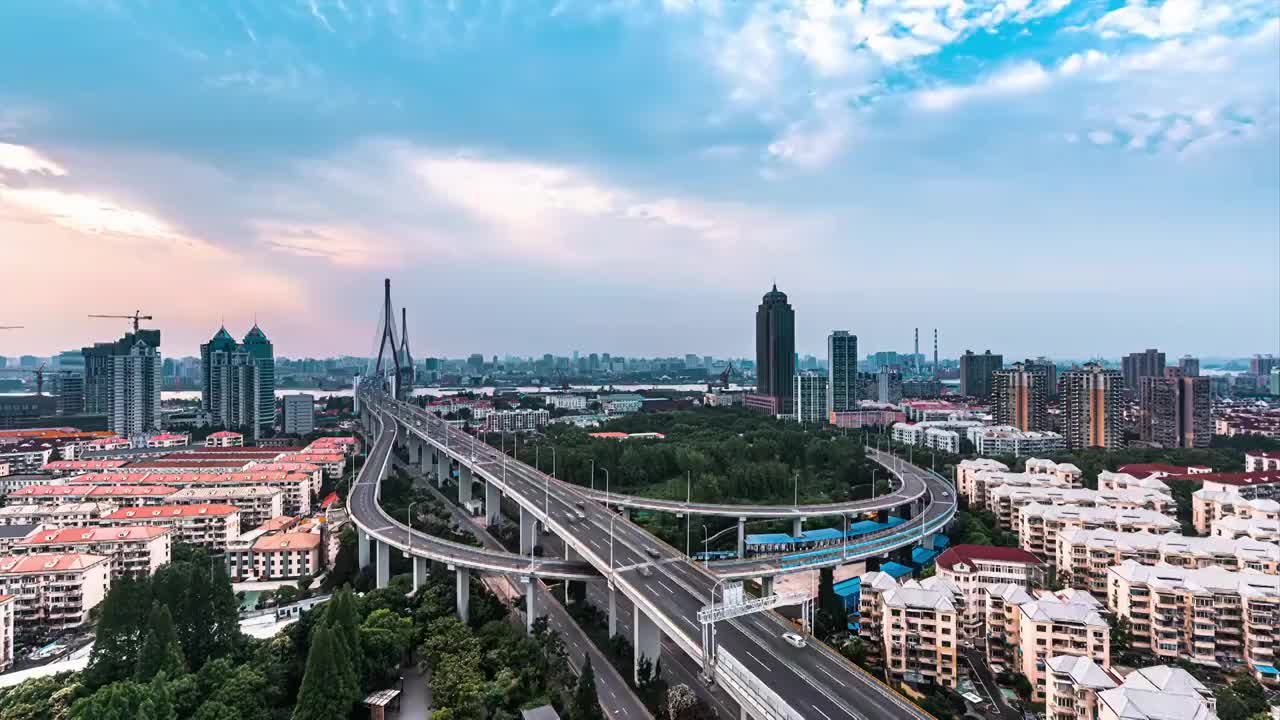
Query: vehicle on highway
(582,504)
(653,553)
(794,639)
(646,571)
(582,516)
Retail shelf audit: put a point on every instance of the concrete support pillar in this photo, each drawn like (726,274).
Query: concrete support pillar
(928,541)
(492,503)
(427,454)
(446,471)
(464,594)
(742,537)
(362,547)
(626,513)
(533,610)
(420,568)
(528,531)
(613,611)
(797,527)
(647,641)
(766,586)
(464,484)
(882,516)
(435,464)
(382,573)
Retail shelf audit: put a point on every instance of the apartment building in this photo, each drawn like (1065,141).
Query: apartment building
(53,590)
(87,492)
(1072,684)
(296,486)
(1019,396)
(224,439)
(211,526)
(1068,622)
(1006,501)
(331,462)
(1261,461)
(1205,615)
(526,420)
(1040,525)
(978,478)
(972,568)
(1080,689)
(1208,507)
(870,625)
(8,605)
(1084,556)
(64,515)
(315,472)
(999,607)
(1010,441)
(1174,410)
(1234,527)
(257,503)
(1091,397)
(137,550)
(920,635)
(1108,480)
(287,555)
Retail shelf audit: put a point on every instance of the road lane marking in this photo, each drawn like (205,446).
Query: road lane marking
(753,657)
(815,707)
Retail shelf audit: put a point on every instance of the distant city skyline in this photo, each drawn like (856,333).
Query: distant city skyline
(1051,178)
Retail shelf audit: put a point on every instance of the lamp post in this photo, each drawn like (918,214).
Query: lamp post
(593,473)
(706,544)
(409,553)
(688,519)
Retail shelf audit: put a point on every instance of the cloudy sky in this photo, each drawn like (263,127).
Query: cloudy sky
(1061,177)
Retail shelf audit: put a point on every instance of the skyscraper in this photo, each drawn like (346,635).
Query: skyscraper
(889,385)
(1020,395)
(842,372)
(1050,374)
(775,348)
(975,373)
(239,381)
(122,381)
(1091,407)
(809,389)
(1135,366)
(1174,410)
(1189,366)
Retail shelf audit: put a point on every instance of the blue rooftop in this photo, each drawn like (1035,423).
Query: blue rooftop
(895,570)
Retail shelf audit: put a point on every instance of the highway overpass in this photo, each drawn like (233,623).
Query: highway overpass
(767,676)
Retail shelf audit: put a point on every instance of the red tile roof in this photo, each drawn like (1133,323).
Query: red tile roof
(48,562)
(278,522)
(328,500)
(87,489)
(1145,470)
(72,535)
(971,554)
(172,511)
(1267,455)
(1244,479)
(84,465)
(287,541)
(225,434)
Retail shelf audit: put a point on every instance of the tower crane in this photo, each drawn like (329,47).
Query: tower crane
(136,317)
(38,372)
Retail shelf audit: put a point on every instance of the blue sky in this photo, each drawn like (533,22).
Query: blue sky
(1031,176)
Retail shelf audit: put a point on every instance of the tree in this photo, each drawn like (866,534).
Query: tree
(341,616)
(122,622)
(125,700)
(1121,635)
(161,652)
(586,703)
(1230,706)
(1251,694)
(327,691)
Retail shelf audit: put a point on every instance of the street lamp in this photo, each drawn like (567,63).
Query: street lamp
(706,544)
(593,473)
(688,518)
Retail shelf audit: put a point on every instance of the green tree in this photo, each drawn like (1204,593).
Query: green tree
(214,710)
(42,698)
(1251,693)
(342,617)
(586,703)
(161,652)
(124,700)
(205,613)
(1230,706)
(327,692)
(1121,635)
(122,622)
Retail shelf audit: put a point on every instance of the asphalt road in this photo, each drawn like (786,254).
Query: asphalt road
(616,696)
(814,681)
(363,507)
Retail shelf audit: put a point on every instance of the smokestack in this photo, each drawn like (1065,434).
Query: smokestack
(935,353)
(915,357)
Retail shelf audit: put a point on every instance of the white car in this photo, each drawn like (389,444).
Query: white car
(794,639)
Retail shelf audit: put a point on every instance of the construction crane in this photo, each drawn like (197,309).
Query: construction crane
(38,372)
(136,317)
(724,376)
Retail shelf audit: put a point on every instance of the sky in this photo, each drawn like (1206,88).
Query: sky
(1067,178)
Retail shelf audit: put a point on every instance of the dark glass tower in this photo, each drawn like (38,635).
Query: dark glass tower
(776,348)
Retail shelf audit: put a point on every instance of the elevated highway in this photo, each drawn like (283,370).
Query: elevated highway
(769,677)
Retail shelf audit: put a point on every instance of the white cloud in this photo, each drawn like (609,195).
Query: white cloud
(342,245)
(23,159)
(91,215)
(1015,80)
(1101,137)
(1170,19)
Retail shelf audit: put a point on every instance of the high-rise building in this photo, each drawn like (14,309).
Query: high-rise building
(1091,407)
(1263,364)
(775,348)
(809,391)
(1174,410)
(239,382)
(842,371)
(1020,396)
(976,371)
(889,386)
(1135,366)
(122,381)
(1189,366)
(1050,374)
(299,414)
